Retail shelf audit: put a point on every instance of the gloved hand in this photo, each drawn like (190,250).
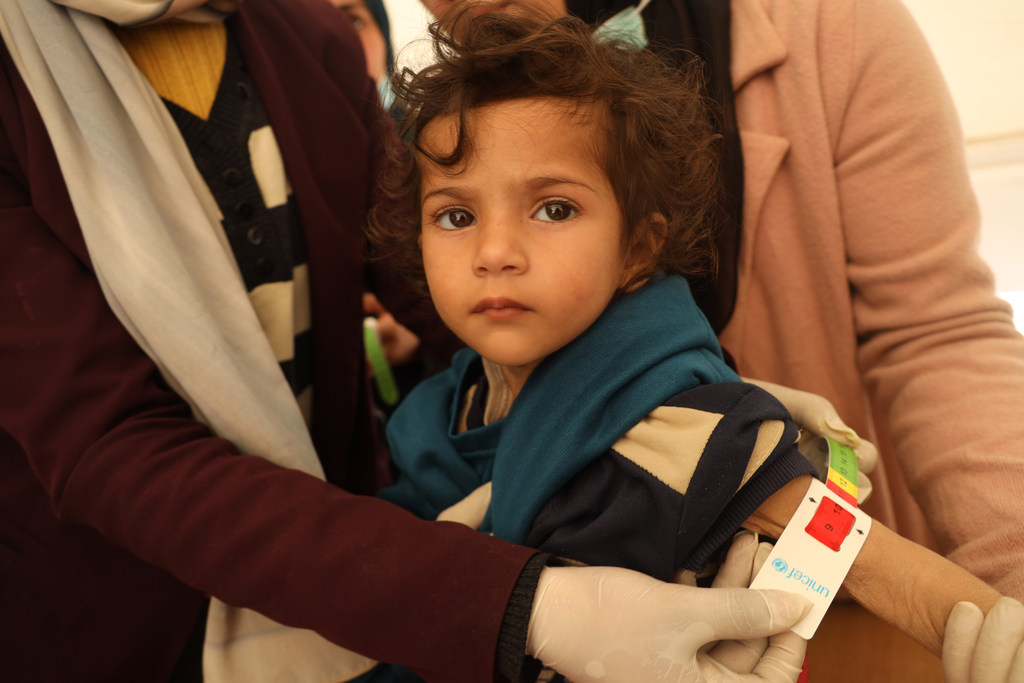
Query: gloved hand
(744,560)
(979,648)
(619,626)
(816,416)
(470,510)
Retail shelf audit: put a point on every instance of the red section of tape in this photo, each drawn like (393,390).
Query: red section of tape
(831,523)
(841,492)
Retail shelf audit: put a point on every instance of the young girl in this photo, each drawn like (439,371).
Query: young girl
(560,196)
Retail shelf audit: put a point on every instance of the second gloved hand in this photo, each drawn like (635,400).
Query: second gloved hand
(980,648)
(619,626)
(816,416)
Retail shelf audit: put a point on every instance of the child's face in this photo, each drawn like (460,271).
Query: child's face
(523,248)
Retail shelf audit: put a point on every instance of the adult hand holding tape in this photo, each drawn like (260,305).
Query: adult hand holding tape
(608,624)
(817,417)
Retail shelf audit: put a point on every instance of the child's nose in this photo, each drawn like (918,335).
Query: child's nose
(500,249)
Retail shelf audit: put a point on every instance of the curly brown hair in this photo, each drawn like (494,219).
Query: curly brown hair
(660,155)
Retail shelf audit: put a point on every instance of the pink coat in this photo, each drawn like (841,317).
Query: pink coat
(859,278)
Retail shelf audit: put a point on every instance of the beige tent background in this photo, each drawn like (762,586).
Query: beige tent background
(978,44)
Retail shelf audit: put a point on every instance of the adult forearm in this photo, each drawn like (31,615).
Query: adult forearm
(912,587)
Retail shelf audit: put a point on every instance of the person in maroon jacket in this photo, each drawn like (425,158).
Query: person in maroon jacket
(184,411)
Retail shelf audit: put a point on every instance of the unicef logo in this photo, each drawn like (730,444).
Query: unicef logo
(780,565)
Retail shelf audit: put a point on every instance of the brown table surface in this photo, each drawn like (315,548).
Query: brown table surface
(852,645)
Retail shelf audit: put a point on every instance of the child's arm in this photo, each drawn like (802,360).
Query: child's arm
(896,579)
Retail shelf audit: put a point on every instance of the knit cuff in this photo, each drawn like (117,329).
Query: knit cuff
(511,661)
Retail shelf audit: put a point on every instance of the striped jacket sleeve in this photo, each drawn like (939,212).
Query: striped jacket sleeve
(676,487)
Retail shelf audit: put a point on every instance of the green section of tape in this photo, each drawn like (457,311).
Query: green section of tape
(843,460)
(382,376)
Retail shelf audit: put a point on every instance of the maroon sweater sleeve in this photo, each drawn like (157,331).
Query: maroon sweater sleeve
(118,512)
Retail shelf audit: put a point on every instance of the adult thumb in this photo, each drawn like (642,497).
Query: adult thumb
(748,613)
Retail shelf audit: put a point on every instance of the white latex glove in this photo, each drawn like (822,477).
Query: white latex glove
(612,625)
(470,510)
(816,416)
(744,560)
(981,648)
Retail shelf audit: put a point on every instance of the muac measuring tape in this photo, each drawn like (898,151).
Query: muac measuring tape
(824,536)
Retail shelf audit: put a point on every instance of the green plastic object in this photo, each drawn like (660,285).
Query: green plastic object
(387,390)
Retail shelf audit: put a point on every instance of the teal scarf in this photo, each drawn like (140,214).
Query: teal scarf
(647,346)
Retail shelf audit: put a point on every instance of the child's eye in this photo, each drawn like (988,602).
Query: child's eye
(555,211)
(454,219)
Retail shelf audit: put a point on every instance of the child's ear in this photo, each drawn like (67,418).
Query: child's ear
(642,253)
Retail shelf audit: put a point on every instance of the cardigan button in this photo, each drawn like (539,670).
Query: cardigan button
(232,176)
(264,267)
(255,236)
